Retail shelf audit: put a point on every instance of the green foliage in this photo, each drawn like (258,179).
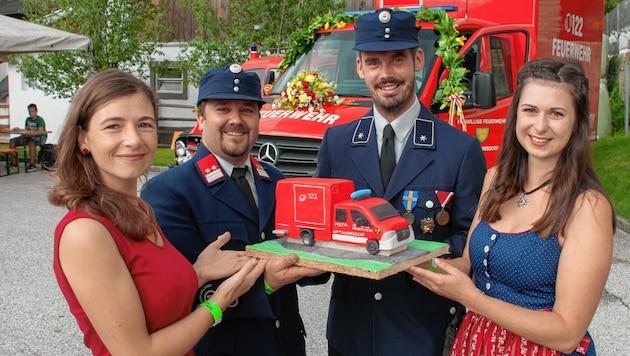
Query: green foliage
(610,5)
(617,105)
(448,48)
(303,39)
(219,42)
(610,155)
(163,157)
(124,34)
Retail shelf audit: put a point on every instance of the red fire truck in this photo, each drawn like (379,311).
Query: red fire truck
(500,37)
(328,209)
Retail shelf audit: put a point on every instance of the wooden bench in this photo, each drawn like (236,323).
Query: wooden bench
(5,155)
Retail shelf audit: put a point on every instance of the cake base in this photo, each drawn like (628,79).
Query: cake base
(353,263)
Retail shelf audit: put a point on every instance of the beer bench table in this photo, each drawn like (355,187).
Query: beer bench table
(26,133)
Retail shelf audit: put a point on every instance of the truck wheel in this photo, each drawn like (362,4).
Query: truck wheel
(307,238)
(372,247)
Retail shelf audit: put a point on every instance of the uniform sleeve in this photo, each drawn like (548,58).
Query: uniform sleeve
(175,217)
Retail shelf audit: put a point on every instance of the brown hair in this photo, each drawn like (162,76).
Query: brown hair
(574,172)
(79,184)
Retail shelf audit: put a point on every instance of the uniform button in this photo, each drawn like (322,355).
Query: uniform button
(493,237)
(277,324)
(487,274)
(485,249)
(488,286)
(429,204)
(262,235)
(485,262)
(452,310)
(378,296)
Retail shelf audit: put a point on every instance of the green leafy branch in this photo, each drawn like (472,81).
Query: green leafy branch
(448,48)
(303,40)
(448,45)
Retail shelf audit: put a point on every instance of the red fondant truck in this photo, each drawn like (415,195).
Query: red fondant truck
(329,209)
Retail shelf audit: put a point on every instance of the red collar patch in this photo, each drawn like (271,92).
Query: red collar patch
(210,169)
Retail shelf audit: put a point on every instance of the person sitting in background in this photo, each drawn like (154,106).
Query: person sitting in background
(33,122)
(541,242)
(128,287)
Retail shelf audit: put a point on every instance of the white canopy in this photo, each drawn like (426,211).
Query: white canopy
(17,36)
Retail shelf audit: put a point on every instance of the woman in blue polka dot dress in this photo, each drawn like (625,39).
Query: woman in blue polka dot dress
(541,242)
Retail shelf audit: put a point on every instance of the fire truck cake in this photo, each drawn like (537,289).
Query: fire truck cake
(329,212)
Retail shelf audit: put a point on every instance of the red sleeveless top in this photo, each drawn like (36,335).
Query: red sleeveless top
(165,280)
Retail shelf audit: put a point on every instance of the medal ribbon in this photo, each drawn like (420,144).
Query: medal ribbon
(409,199)
(444,197)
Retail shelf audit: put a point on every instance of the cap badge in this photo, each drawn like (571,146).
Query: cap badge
(236,68)
(384,16)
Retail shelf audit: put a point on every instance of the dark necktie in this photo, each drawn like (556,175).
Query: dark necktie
(238,175)
(388,156)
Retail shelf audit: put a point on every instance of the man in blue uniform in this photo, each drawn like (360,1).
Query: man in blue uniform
(430,171)
(196,202)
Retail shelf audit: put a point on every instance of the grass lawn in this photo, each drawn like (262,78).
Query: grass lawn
(612,161)
(164,157)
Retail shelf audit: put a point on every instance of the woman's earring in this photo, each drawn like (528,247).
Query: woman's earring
(85,151)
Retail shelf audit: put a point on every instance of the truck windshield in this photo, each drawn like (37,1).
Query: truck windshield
(384,211)
(333,57)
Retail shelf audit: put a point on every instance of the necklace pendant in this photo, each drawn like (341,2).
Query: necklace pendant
(522,202)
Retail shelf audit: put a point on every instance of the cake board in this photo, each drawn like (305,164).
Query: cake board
(353,263)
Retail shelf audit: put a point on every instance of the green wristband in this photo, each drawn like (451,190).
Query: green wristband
(214,309)
(268,288)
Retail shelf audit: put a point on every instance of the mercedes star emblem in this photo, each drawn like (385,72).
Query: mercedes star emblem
(268,153)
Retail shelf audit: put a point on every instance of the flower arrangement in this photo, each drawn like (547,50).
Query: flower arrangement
(308,90)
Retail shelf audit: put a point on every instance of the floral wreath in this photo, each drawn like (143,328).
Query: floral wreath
(449,92)
(308,90)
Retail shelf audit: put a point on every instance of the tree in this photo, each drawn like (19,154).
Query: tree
(124,34)
(222,39)
(610,5)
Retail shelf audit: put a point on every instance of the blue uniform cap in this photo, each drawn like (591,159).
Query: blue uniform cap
(230,82)
(385,30)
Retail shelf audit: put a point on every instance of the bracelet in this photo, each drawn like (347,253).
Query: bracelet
(268,288)
(433,266)
(214,309)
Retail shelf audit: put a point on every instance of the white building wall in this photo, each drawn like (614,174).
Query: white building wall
(53,111)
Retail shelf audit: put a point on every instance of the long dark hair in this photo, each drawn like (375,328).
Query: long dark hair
(574,172)
(79,184)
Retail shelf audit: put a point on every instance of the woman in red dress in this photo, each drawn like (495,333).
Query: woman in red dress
(128,287)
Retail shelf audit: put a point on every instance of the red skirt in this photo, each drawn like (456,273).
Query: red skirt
(479,336)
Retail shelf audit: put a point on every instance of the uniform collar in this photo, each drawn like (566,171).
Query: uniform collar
(212,167)
(401,125)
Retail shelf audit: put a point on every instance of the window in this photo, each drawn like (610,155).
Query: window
(340,215)
(168,80)
(498,51)
(359,219)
